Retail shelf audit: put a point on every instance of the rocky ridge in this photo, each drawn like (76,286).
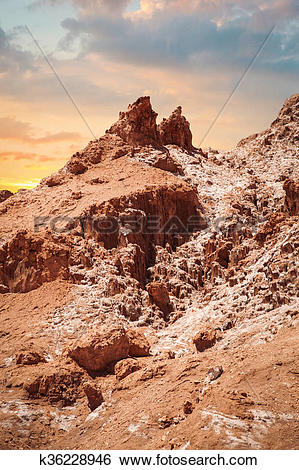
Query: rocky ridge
(147,266)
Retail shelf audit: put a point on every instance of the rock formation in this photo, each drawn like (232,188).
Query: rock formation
(96,350)
(147,271)
(159,296)
(205,339)
(176,130)
(5,194)
(93,394)
(292,196)
(137,125)
(125,367)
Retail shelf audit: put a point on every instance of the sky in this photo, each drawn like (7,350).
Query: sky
(109,52)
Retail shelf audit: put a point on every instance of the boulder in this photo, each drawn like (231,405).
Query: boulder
(166,162)
(188,407)
(93,393)
(138,344)
(204,339)
(97,349)
(125,367)
(76,166)
(53,180)
(30,357)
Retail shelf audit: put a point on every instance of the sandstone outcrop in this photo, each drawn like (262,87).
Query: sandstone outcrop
(28,260)
(55,383)
(173,210)
(137,125)
(125,367)
(284,129)
(175,130)
(93,393)
(159,295)
(204,339)
(292,196)
(97,349)
(99,302)
(138,344)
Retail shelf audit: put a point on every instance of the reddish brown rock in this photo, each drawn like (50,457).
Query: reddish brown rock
(173,204)
(125,367)
(97,349)
(108,147)
(292,196)
(131,261)
(270,227)
(5,194)
(54,180)
(30,357)
(204,339)
(166,163)
(76,166)
(137,125)
(176,130)
(93,393)
(159,295)
(56,383)
(28,260)
(188,408)
(138,344)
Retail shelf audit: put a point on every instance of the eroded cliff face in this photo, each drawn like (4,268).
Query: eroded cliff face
(103,194)
(147,266)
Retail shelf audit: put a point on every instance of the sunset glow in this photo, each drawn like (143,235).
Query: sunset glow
(188,53)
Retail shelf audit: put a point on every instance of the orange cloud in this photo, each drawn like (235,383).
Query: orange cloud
(10,155)
(12,129)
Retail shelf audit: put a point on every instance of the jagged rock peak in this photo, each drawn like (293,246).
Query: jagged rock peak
(290,110)
(176,130)
(282,131)
(137,125)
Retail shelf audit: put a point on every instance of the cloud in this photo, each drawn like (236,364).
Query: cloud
(12,129)
(10,155)
(57,137)
(193,33)
(112,7)
(12,56)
